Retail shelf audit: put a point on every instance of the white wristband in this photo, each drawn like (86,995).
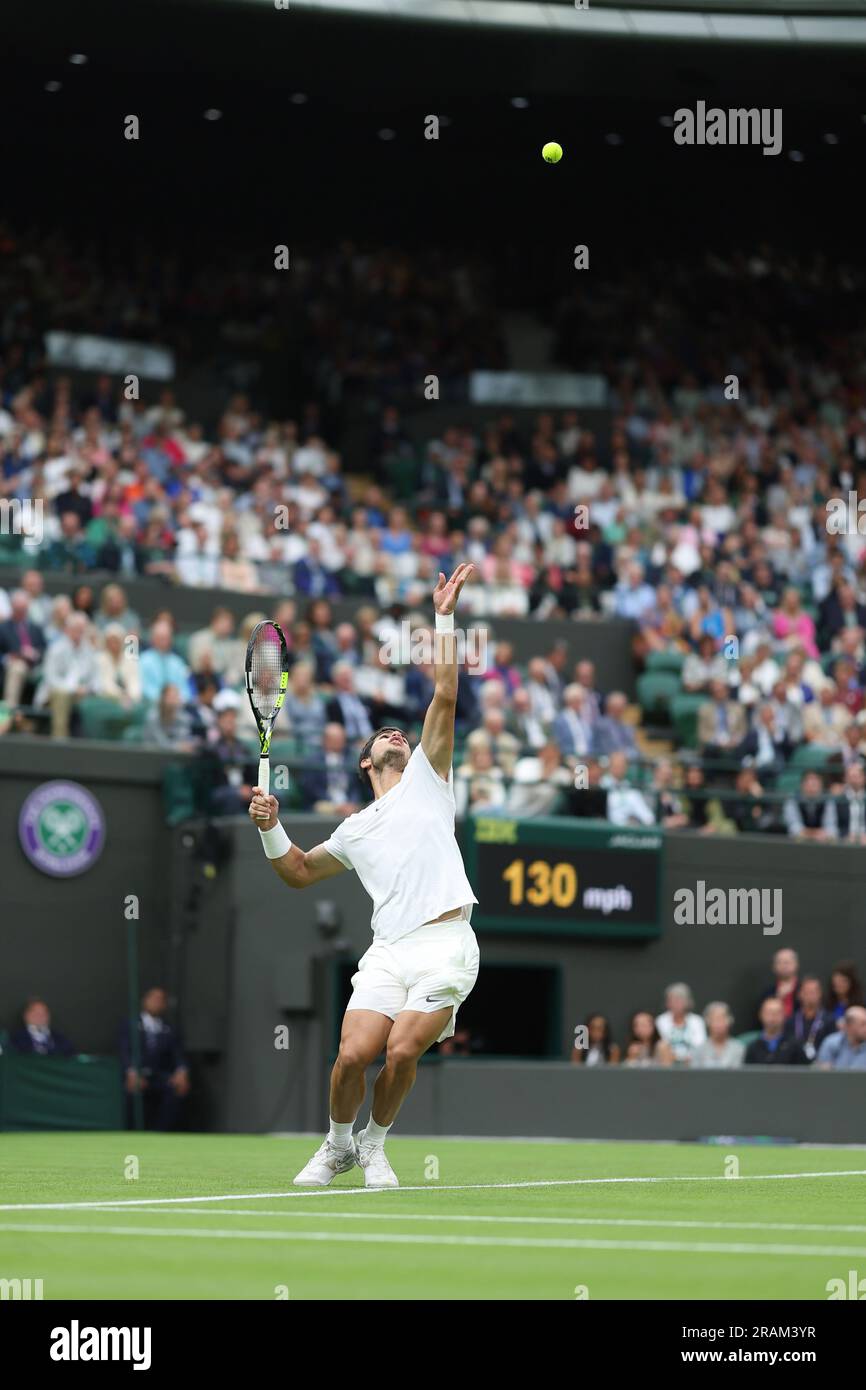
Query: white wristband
(275,842)
(444,622)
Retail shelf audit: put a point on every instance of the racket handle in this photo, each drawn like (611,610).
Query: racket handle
(265,775)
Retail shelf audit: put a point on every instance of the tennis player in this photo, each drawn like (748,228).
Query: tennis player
(424,958)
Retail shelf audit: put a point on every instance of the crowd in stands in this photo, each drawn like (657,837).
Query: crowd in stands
(799,1023)
(697,514)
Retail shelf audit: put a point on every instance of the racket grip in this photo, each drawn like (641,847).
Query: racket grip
(265,775)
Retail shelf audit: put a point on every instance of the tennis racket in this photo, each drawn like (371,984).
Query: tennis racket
(266,672)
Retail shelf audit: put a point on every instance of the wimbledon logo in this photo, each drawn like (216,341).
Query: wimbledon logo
(62,829)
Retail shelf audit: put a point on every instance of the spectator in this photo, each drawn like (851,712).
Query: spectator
(584,674)
(216,647)
(229,771)
(118,673)
(786,981)
(345,707)
(625,804)
(792,625)
(538,784)
(526,727)
(502,668)
(36,1036)
(645,1047)
(844,989)
(812,815)
(669,807)
(505,747)
(162,1077)
(22,646)
(703,667)
(826,719)
(773,1048)
(572,729)
(845,1050)
(766,745)
(611,734)
(168,723)
(600,1049)
(721,724)
(114,608)
(160,666)
(851,806)
(679,1026)
(543,706)
(748,810)
(235,571)
(120,552)
(305,707)
(332,787)
(810,1022)
(479,786)
(704,812)
(719,1050)
(311,578)
(69,673)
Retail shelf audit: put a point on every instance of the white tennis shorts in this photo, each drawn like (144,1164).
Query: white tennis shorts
(430,968)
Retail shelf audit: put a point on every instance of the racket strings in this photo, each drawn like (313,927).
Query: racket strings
(266,669)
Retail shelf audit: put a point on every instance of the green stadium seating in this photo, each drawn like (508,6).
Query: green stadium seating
(656,690)
(684,717)
(811,755)
(665,661)
(788,782)
(746,1038)
(105,719)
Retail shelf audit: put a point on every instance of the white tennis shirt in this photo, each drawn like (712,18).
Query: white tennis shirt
(402,848)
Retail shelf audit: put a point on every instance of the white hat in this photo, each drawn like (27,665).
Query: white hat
(226,699)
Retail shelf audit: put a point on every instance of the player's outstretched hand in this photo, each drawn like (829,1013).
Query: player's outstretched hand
(447,591)
(264,810)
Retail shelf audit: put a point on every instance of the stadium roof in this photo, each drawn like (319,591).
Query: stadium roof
(741,21)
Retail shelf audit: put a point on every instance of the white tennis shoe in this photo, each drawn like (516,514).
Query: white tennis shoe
(377,1170)
(326,1163)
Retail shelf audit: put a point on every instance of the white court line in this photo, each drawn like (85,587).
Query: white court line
(504,1220)
(108,1202)
(510,1242)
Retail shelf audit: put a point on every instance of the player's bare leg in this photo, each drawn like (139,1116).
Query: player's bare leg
(409,1039)
(363,1037)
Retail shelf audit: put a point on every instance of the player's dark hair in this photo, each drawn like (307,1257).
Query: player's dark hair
(364,772)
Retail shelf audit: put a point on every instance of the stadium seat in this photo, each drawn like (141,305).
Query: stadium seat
(665,661)
(746,1038)
(684,717)
(656,690)
(104,719)
(788,782)
(811,755)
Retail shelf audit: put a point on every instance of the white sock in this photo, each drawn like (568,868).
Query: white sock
(340,1135)
(375,1134)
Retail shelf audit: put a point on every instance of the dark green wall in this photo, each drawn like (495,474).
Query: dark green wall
(66,938)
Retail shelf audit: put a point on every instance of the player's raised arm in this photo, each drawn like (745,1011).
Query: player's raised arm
(295,867)
(437,738)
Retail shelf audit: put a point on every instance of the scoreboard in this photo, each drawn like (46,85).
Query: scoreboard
(564,877)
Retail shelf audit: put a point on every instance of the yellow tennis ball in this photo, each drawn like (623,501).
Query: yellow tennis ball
(552,152)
